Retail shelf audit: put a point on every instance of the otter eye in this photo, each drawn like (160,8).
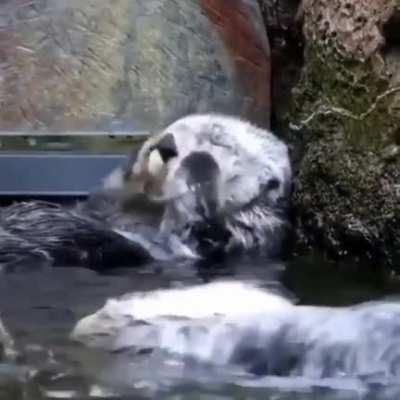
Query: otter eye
(166,147)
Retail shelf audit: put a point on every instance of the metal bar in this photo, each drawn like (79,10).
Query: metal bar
(94,142)
(48,174)
(76,133)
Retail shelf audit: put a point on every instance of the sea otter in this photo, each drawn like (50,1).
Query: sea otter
(207,184)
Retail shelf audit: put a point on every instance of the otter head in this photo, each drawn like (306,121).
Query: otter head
(213,167)
(249,164)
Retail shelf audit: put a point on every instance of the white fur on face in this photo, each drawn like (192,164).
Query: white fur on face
(248,157)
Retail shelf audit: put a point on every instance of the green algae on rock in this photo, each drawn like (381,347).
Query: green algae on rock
(344,125)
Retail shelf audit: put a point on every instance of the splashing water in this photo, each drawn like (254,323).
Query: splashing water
(228,339)
(239,325)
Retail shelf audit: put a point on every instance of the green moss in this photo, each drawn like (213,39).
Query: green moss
(344,192)
(349,89)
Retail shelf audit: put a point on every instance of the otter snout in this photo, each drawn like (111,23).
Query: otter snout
(202,175)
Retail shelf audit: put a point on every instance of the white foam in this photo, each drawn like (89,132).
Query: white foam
(226,298)
(217,299)
(239,323)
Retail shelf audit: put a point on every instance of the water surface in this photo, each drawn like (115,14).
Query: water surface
(40,306)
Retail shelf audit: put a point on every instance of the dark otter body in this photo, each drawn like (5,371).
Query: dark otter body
(40,231)
(105,231)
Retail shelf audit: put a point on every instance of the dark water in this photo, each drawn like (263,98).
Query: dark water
(40,306)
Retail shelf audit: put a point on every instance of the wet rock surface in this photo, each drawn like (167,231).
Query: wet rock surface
(241,28)
(342,124)
(286,42)
(126,65)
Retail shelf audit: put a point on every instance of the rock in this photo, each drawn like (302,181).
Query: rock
(241,28)
(344,116)
(391,152)
(286,41)
(123,65)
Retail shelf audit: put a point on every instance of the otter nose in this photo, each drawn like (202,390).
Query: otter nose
(202,175)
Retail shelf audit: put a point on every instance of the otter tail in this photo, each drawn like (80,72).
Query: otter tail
(41,231)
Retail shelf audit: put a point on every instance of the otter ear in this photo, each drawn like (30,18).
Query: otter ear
(166,147)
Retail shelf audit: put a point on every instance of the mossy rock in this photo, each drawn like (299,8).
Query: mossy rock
(345,124)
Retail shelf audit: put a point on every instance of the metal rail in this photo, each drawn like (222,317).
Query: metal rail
(64,165)
(46,174)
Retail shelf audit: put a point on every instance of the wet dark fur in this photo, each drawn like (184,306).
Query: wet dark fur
(44,233)
(39,231)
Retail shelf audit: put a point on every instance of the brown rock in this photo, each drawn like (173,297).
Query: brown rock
(353,28)
(126,65)
(286,41)
(243,33)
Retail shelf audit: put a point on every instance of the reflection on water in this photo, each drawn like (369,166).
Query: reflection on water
(40,308)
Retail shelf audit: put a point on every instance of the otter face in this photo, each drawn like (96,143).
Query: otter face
(214,167)
(192,181)
(195,193)
(250,161)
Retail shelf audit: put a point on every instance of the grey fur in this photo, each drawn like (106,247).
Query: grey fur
(254,179)
(206,182)
(40,231)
